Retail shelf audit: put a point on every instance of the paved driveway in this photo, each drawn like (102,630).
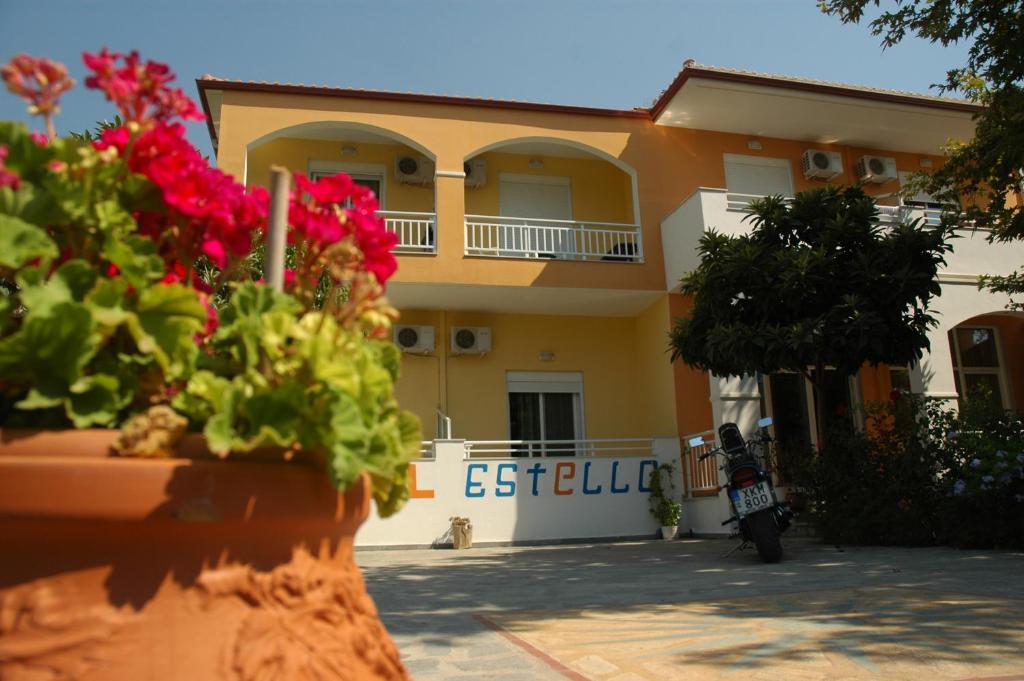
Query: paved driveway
(680,610)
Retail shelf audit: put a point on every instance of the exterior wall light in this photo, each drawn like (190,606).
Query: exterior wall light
(536,163)
(754,144)
(546,356)
(348,150)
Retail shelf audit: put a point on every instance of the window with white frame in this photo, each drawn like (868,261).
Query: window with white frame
(749,177)
(977,363)
(789,399)
(545,406)
(899,378)
(369,175)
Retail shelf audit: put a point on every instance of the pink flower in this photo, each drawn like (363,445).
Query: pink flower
(39,138)
(38,81)
(8,178)
(139,89)
(216,251)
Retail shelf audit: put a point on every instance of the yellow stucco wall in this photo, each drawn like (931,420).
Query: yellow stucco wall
(298,154)
(669,164)
(629,388)
(626,390)
(600,191)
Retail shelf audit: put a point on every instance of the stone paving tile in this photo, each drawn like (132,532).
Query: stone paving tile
(428,599)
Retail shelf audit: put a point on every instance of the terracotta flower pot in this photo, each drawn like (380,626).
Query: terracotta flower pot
(188,568)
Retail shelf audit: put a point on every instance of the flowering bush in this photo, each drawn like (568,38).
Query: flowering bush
(920,474)
(126,268)
(982,447)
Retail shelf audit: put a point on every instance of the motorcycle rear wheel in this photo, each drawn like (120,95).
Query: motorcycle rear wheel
(765,534)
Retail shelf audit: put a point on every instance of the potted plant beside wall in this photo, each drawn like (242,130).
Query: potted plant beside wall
(185,453)
(663,504)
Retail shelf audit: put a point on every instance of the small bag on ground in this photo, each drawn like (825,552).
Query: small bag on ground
(462,533)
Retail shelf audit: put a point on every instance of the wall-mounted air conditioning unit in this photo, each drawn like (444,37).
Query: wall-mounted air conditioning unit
(470,340)
(876,169)
(414,170)
(415,339)
(476,172)
(822,165)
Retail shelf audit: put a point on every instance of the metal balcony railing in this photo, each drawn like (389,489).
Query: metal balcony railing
(502,449)
(512,237)
(701,477)
(416,232)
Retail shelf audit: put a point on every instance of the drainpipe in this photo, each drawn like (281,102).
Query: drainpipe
(442,366)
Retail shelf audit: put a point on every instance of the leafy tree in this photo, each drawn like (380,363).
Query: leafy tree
(987,170)
(816,283)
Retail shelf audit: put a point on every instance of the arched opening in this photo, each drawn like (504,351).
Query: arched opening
(399,170)
(987,356)
(540,197)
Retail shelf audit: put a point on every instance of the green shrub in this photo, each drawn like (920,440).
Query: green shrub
(919,474)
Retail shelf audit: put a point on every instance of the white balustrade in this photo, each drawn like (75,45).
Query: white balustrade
(416,232)
(701,476)
(512,237)
(503,449)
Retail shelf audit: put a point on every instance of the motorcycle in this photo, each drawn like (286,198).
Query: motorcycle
(762,518)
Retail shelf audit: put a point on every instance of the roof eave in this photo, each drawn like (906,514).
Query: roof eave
(201,85)
(838,90)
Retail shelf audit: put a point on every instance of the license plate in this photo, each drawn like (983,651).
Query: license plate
(752,499)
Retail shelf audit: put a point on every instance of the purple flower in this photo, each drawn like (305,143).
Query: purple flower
(1001,454)
(1002,465)
(987,479)
(975,463)
(959,487)
(1020,458)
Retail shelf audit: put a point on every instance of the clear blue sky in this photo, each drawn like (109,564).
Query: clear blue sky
(605,53)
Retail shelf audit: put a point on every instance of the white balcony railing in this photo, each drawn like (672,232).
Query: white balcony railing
(511,237)
(503,449)
(701,477)
(416,232)
(887,215)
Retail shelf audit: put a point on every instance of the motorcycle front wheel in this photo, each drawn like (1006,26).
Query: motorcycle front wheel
(765,534)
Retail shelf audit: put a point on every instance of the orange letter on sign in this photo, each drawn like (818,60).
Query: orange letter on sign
(414,491)
(559,477)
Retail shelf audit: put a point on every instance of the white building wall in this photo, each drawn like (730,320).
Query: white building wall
(597,497)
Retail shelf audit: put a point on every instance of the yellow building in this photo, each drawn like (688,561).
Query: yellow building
(541,246)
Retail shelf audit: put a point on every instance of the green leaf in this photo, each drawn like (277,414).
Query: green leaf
(106,301)
(69,283)
(137,259)
(94,401)
(168,316)
(21,242)
(113,218)
(50,351)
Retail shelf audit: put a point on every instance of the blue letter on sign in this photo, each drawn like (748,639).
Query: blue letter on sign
(615,472)
(509,485)
(474,488)
(535,470)
(644,478)
(586,480)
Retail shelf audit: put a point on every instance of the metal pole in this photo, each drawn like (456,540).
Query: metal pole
(277,227)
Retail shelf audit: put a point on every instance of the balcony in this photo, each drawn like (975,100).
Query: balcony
(727,213)
(502,449)
(513,237)
(416,232)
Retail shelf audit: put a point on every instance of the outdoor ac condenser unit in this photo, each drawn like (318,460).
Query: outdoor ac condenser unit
(470,340)
(476,172)
(876,169)
(414,170)
(819,164)
(415,339)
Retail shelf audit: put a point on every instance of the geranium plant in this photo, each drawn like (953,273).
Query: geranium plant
(129,291)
